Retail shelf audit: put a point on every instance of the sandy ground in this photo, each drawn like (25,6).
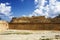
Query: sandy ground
(35,35)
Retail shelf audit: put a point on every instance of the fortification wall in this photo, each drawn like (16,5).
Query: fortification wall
(34,26)
(35,23)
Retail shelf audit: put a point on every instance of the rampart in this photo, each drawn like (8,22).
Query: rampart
(35,23)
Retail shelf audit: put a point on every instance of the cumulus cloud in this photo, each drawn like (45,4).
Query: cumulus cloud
(48,10)
(5,10)
(36,1)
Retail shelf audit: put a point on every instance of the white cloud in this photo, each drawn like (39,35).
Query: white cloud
(38,11)
(48,10)
(22,0)
(7,3)
(57,7)
(5,9)
(24,15)
(36,1)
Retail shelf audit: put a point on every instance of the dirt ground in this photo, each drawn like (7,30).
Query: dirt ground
(29,35)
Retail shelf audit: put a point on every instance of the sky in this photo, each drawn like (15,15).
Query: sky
(18,8)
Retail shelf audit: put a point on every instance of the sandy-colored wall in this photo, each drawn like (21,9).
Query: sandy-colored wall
(35,23)
(35,26)
(3,25)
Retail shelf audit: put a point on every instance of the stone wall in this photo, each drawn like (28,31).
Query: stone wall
(3,25)
(35,26)
(35,23)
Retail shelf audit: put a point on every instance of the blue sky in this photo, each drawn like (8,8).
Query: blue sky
(18,8)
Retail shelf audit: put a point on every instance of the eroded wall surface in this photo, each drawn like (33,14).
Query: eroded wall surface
(35,26)
(35,23)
